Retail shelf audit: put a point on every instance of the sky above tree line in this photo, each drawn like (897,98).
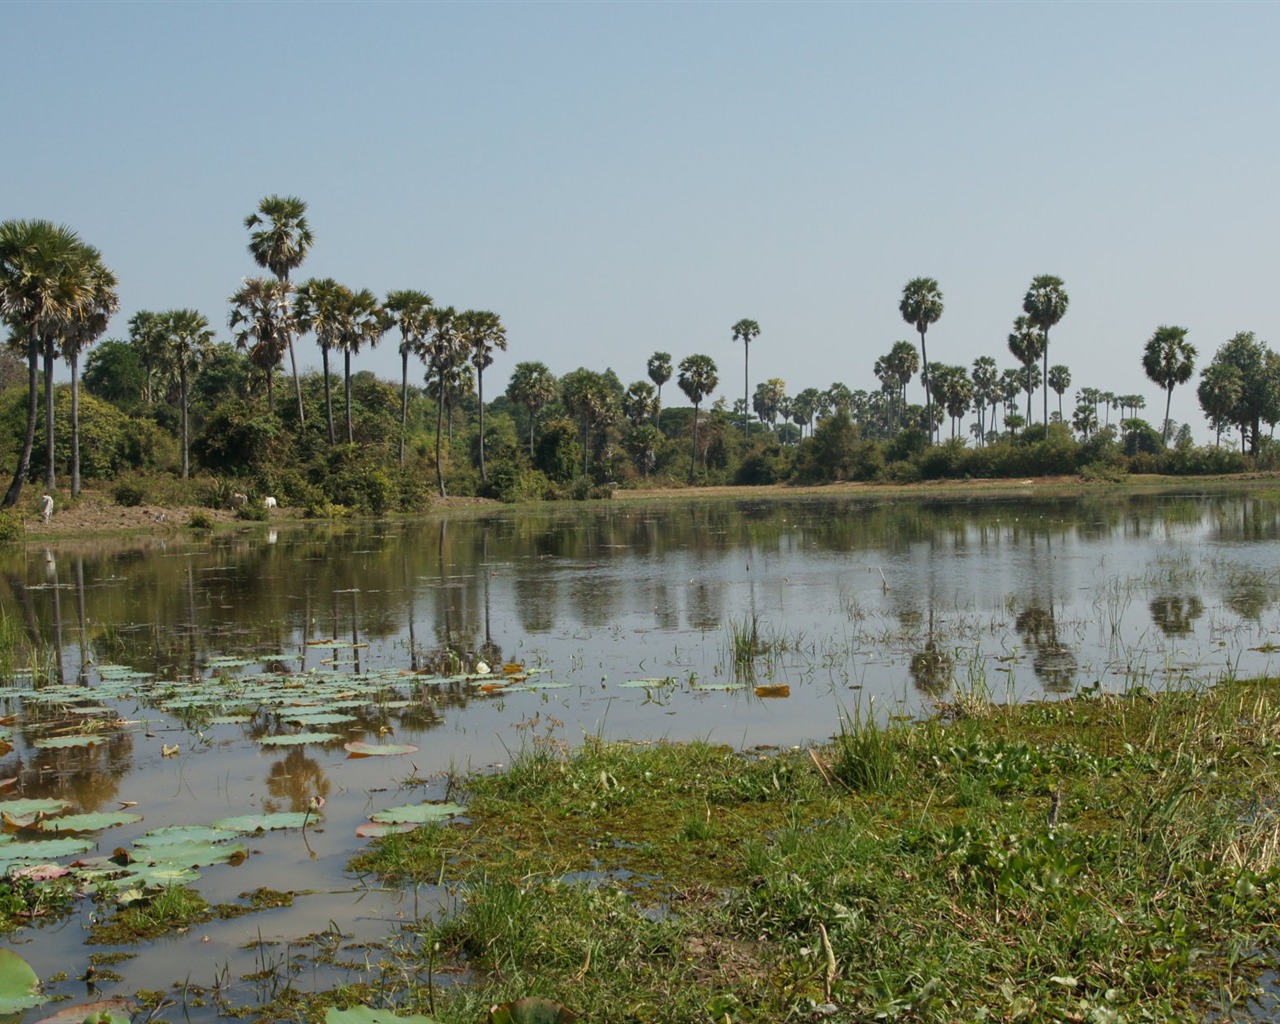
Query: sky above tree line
(616,179)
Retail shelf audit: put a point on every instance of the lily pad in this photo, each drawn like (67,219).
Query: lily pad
(295,739)
(104,1011)
(419,813)
(26,808)
(378,829)
(248,823)
(41,850)
(173,835)
(318,718)
(89,822)
(648,684)
(358,749)
(368,1015)
(195,855)
(60,742)
(18,984)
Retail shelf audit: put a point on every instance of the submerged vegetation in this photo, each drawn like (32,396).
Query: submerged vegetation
(1106,857)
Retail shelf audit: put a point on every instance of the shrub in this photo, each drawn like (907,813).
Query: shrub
(11,526)
(128,493)
(200,521)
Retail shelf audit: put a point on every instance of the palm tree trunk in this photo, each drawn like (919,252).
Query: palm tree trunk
(484,476)
(49,474)
(328,394)
(186,436)
(924,379)
(33,411)
(1164,434)
(532,414)
(74,362)
(297,382)
(346,391)
(693,457)
(271,393)
(439,432)
(1046,383)
(746,388)
(404,399)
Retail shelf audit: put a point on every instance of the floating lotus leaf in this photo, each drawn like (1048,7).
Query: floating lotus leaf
(60,742)
(176,835)
(368,1015)
(418,813)
(296,738)
(648,684)
(91,709)
(378,829)
(41,850)
(246,823)
(319,718)
(89,822)
(18,984)
(716,687)
(104,1011)
(538,684)
(193,854)
(531,1010)
(230,719)
(358,749)
(25,808)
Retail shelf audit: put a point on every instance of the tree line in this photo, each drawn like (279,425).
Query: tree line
(169,397)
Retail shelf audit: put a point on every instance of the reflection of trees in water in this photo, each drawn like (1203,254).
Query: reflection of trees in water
(1249,594)
(1175,615)
(933,669)
(1247,518)
(88,777)
(1054,663)
(295,779)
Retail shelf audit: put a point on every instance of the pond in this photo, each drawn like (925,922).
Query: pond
(253,703)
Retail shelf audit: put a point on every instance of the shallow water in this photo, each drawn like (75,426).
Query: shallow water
(213,646)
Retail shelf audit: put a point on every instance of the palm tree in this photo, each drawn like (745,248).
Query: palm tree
(1169,359)
(191,341)
(1046,304)
(533,386)
(1059,381)
(445,354)
(986,383)
(659,372)
(88,325)
(698,378)
(410,311)
(588,396)
(362,320)
(280,244)
(147,337)
(639,402)
(745,331)
(45,284)
(320,306)
(482,332)
(255,324)
(921,306)
(1027,344)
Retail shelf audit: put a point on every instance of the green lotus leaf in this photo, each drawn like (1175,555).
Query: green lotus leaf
(59,742)
(171,835)
(88,822)
(247,823)
(648,684)
(297,738)
(318,718)
(358,749)
(26,808)
(192,855)
(419,813)
(18,984)
(41,850)
(378,829)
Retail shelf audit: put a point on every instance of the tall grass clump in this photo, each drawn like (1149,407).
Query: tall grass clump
(867,754)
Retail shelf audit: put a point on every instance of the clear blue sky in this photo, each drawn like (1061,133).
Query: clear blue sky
(616,179)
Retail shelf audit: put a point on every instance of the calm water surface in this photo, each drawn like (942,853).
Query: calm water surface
(628,621)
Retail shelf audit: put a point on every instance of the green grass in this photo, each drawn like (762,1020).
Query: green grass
(1101,858)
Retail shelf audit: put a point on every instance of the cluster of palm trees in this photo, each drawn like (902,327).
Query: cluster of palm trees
(57,297)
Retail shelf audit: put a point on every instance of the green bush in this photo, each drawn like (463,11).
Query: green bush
(128,493)
(11,526)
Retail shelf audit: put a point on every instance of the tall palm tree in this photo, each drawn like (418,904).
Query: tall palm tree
(1046,304)
(362,320)
(482,332)
(1027,344)
(191,342)
(256,325)
(410,311)
(86,327)
(1059,380)
(147,337)
(698,378)
(986,382)
(659,372)
(444,353)
(533,386)
(1169,359)
(921,306)
(280,244)
(319,306)
(745,331)
(45,283)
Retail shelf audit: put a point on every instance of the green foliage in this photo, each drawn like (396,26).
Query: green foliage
(113,372)
(238,438)
(128,493)
(12,527)
(558,454)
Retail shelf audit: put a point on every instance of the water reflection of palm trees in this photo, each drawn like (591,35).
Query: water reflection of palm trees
(293,781)
(1175,614)
(1054,663)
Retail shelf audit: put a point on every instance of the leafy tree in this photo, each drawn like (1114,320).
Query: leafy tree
(87,325)
(590,397)
(745,331)
(258,323)
(1258,398)
(643,444)
(698,378)
(1059,381)
(191,341)
(1219,392)
(921,306)
(1010,387)
(280,243)
(803,408)
(113,372)
(768,400)
(1169,359)
(532,385)
(659,372)
(482,332)
(639,403)
(49,280)
(1027,344)
(1045,305)
(411,311)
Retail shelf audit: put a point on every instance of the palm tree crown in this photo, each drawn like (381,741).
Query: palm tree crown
(745,331)
(1046,304)
(921,306)
(1169,359)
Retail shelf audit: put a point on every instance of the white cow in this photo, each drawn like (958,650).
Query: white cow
(46,508)
(269,502)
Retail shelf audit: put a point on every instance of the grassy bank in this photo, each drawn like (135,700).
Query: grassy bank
(1104,858)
